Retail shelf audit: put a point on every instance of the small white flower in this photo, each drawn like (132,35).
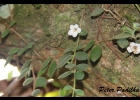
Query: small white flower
(134,47)
(74,30)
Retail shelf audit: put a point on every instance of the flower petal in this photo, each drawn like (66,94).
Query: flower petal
(78,30)
(76,26)
(70,32)
(132,44)
(71,27)
(74,34)
(129,49)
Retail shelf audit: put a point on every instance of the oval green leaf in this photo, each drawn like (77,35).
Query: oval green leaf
(29,45)
(68,87)
(25,65)
(70,65)
(79,75)
(8,60)
(136,26)
(13,51)
(123,43)
(23,73)
(79,92)
(123,35)
(79,47)
(64,61)
(64,93)
(41,82)
(35,92)
(12,23)
(44,67)
(97,12)
(127,30)
(65,74)
(68,50)
(81,67)
(5,33)
(89,45)
(27,81)
(95,53)
(52,69)
(81,55)
(21,51)
(83,33)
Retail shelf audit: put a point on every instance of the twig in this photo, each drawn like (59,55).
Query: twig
(99,31)
(24,41)
(137,7)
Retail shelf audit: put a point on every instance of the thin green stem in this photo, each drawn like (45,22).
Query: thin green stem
(74,83)
(75,49)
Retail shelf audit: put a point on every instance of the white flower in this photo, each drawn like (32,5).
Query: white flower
(134,47)
(74,30)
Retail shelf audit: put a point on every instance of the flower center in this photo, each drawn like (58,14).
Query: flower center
(135,48)
(75,29)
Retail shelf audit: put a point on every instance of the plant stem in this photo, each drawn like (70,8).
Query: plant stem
(74,82)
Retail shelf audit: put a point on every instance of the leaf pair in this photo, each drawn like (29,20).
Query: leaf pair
(78,92)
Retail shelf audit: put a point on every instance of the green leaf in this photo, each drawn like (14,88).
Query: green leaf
(23,73)
(12,23)
(41,82)
(64,61)
(81,55)
(123,35)
(25,65)
(28,81)
(65,74)
(70,65)
(95,53)
(29,45)
(97,12)
(123,43)
(136,26)
(79,75)
(61,58)
(21,51)
(13,51)
(44,67)
(8,60)
(82,67)
(5,33)
(68,50)
(79,92)
(52,69)
(68,87)
(127,30)
(57,84)
(83,33)
(89,45)
(64,93)
(35,92)
(79,47)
